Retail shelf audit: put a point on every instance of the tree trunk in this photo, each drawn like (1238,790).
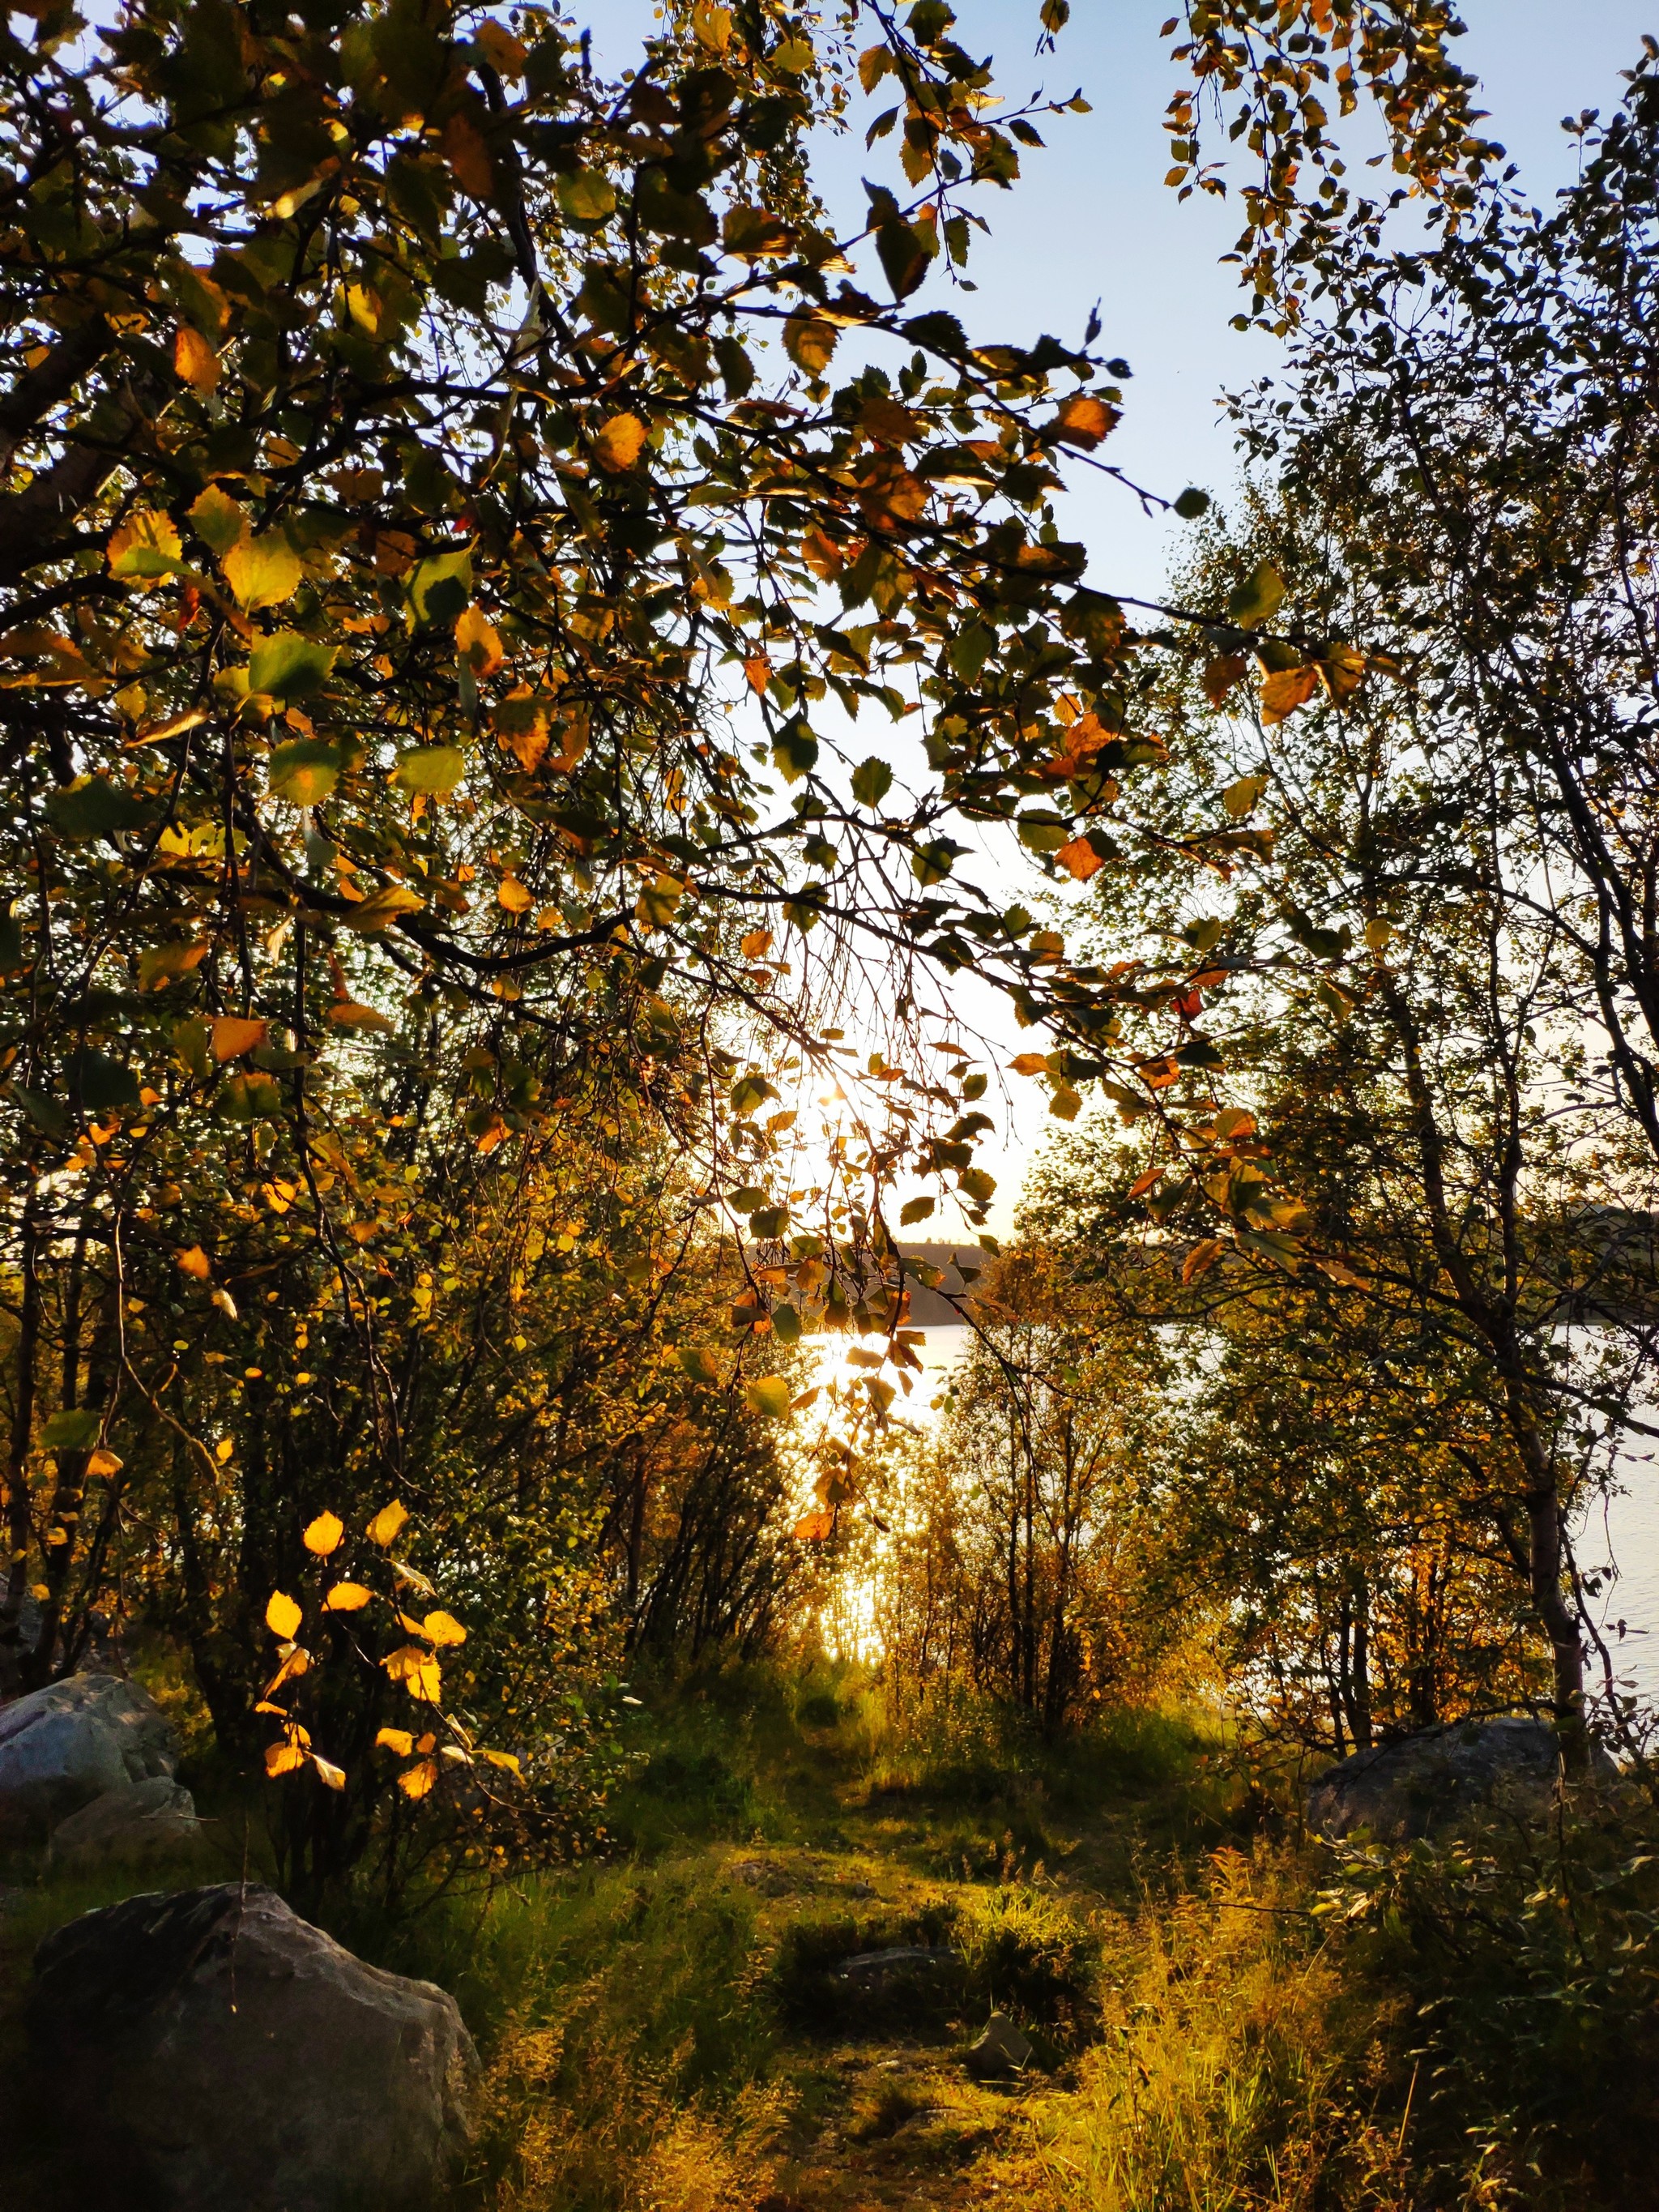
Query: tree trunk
(22,1428)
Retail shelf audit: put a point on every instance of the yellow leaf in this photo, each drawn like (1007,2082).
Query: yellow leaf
(160,964)
(1341,670)
(223,1449)
(145,549)
(443,1628)
(1028,1063)
(347,1597)
(291,1753)
(104,1462)
(1202,1257)
(757,944)
(263,572)
(417,1781)
(768,1396)
(346,1014)
(514,895)
(619,443)
(506,1759)
(232,1036)
(283,1616)
(416,1670)
(478,641)
(194,360)
(383,1529)
(297,1662)
(1286,691)
(809,340)
(328,1772)
(323,1535)
(398,1740)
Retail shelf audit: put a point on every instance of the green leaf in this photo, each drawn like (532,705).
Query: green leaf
(304,771)
(73,1430)
(587,196)
(749,1094)
(977,1184)
(768,1396)
(217,520)
(1192,503)
(47,1115)
(970,649)
(905,254)
(95,807)
(701,1366)
(1042,832)
(767,1221)
(441,587)
(435,770)
(101,1083)
(290,666)
(786,1324)
(915,1209)
(872,780)
(1257,600)
(795,750)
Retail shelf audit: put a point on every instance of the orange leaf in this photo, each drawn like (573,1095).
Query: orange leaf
(1083,421)
(1142,1184)
(1221,674)
(1286,691)
(758,669)
(1029,1063)
(757,944)
(619,444)
(194,1261)
(286,1757)
(478,641)
(194,360)
(514,895)
(417,1781)
(233,1035)
(398,1740)
(1157,1074)
(468,157)
(347,1597)
(814,1527)
(1080,859)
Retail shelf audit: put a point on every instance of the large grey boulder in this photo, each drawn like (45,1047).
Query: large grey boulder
(74,1740)
(211,2049)
(1428,1782)
(139,1825)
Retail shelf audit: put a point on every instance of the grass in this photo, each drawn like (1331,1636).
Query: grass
(662,2031)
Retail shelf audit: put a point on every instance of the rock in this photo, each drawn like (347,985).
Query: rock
(1427,1782)
(904,1967)
(211,2049)
(136,1825)
(74,1740)
(1001,2049)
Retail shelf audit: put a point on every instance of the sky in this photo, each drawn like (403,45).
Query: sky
(1091,219)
